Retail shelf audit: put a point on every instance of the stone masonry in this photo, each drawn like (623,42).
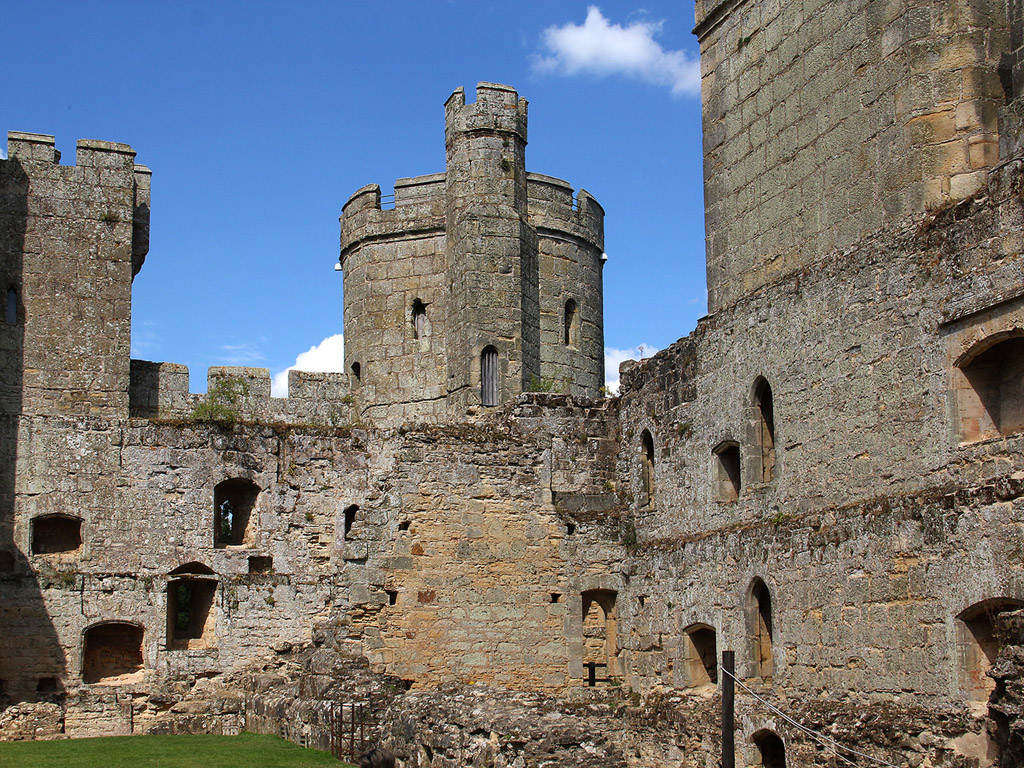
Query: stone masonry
(826,476)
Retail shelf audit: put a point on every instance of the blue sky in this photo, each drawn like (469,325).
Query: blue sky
(259,119)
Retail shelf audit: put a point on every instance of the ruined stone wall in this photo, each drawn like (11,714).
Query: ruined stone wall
(824,121)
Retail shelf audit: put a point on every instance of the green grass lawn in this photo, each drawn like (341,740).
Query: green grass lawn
(245,751)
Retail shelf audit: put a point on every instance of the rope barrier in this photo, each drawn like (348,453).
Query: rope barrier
(822,739)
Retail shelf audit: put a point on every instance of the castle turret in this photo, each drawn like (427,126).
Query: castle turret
(73,239)
(480,283)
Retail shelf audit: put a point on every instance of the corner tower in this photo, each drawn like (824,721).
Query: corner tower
(481,282)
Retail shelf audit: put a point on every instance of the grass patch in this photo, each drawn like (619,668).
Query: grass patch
(207,751)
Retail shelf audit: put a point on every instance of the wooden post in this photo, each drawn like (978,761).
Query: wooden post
(728,710)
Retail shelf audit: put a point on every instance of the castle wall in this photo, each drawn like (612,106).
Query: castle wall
(824,121)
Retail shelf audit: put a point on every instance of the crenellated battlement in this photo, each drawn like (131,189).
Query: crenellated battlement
(161,390)
(554,206)
(497,108)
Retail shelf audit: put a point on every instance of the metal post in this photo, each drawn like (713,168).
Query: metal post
(728,710)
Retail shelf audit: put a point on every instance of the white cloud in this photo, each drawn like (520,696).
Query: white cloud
(599,47)
(241,354)
(612,358)
(328,355)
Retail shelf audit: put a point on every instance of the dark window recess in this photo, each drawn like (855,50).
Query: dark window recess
(350,519)
(727,472)
(489,376)
(357,372)
(233,501)
(261,564)
(404,525)
(646,469)
(111,650)
(392,596)
(990,391)
(56,533)
(419,320)
(570,330)
(762,633)
(556,596)
(11,309)
(765,429)
(701,655)
(770,749)
(190,612)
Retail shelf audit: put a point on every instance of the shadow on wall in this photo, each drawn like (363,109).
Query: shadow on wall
(32,662)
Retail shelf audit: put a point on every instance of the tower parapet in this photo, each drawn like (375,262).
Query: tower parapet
(479,283)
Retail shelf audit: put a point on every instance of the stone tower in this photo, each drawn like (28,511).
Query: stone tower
(826,123)
(481,282)
(71,240)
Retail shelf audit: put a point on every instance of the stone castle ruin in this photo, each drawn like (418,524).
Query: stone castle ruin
(826,477)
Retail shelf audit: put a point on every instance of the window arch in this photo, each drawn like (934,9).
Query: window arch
(764,429)
(420,327)
(52,534)
(11,307)
(233,501)
(489,376)
(989,384)
(770,748)
(701,655)
(726,471)
(979,644)
(761,629)
(111,651)
(571,324)
(357,372)
(646,469)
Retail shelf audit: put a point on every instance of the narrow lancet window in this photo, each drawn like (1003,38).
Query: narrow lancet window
(571,326)
(765,429)
(11,311)
(489,376)
(760,608)
(646,469)
(419,320)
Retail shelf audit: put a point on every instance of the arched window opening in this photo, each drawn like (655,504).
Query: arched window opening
(570,328)
(980,643)
(11,309)
(52,534)
(770,749)
(420,328)
(646,469)
(727,471)
(760,620)
(764,429)
(357,372)
(701,655)
(489,376)
(600,651)
(350,519)
(190,615)
(233,501)
(990,391)
(112,653)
